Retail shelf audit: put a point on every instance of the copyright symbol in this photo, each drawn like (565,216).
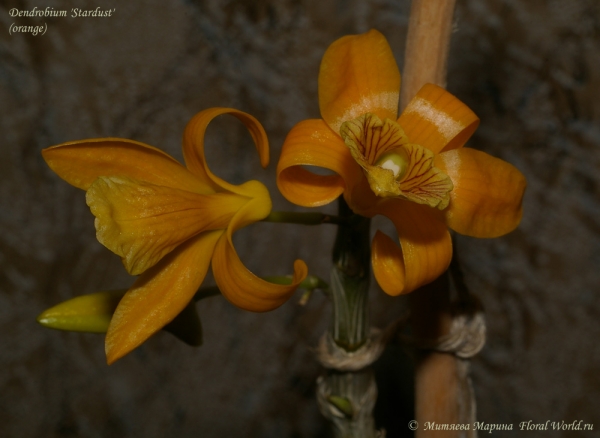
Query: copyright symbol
(413,425)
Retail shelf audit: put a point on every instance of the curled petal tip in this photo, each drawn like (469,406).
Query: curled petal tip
(193,143)
(313,143)
(437,120)
(244,289)
(388,265)
(424,253)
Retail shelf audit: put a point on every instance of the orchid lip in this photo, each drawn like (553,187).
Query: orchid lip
(394,167)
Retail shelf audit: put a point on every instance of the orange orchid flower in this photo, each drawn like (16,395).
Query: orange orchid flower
(168,223)
(412,169)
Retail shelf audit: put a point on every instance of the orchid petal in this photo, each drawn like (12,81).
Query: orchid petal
(240,286)
(159,295)
(193,145)
(312,143)
(142,222)
(80,163)
(425,248)
(488,192)
(358,75)
(437,120)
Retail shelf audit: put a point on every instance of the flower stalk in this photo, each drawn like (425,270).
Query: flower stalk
(303,218)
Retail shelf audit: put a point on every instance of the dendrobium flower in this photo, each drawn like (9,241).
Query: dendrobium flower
(412,169)
(168,223)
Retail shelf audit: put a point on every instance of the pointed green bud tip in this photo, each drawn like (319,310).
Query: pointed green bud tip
(342,404)
(87,313)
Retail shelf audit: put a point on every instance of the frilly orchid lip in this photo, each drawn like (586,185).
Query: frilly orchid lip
(168,223)
(459,188)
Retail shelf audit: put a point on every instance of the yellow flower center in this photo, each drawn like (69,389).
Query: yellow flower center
(393,166)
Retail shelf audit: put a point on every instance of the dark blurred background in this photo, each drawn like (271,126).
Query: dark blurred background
(529,69)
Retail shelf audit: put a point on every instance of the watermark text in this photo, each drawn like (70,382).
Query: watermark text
(483,427)
(49,12)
